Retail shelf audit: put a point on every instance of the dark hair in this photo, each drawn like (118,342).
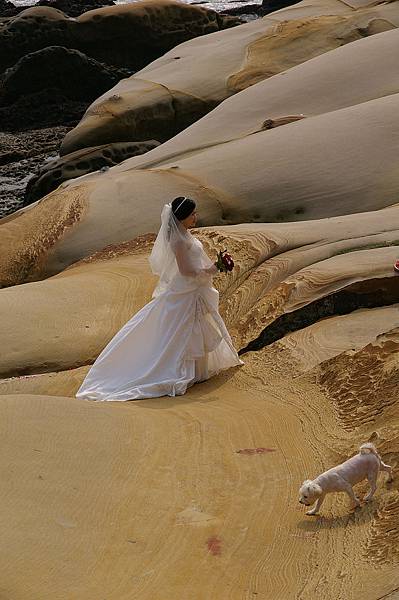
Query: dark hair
(182,207)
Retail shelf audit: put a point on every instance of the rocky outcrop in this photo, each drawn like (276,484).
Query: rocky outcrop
(193,78)
(8,9)
(44,109)
(21,154)
(56,84)
(112,500)
(280,269)
(74,8)
(106,33)
(320,85)
(288,173)
(74,74)
(79,163)
(279,163)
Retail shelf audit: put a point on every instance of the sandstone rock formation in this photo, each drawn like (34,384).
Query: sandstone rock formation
(281,269)
(323,84)
(76,292)
(179,88)
(297,177)
(78,163)
(123,479)
(216,472)
(322,342)
(106,33)
(287,173)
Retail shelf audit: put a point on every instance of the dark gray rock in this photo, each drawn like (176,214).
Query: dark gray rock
(21,155)
(117,35)
(74,8)
(55,67)
(70,166)
(269,6)
(48,108)
(52,86)
(8,9)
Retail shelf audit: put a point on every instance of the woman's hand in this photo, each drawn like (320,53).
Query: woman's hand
(224,263)
(213,270)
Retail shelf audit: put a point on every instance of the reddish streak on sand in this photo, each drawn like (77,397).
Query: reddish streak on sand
(251,451)
(214,545)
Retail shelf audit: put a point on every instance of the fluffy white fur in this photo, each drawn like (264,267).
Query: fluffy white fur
(367,463)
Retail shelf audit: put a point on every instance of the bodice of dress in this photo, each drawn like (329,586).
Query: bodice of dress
(186,272)
(192,261)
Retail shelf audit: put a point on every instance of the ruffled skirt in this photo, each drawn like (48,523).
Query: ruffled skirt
(175,340)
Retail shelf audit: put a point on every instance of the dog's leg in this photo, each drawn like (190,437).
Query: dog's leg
(349,490)
(372,479)
(316,508)
(388,469)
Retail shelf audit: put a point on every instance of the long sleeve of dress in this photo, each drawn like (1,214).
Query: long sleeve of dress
(187,266)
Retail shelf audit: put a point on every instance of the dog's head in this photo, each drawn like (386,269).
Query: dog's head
(309,492)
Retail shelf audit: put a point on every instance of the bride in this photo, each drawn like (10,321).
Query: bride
(176,339)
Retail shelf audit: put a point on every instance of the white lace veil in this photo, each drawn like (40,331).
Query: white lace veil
(162,258)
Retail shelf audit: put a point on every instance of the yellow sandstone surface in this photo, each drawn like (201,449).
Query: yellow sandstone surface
(196,497)
(64,321)
(193,496)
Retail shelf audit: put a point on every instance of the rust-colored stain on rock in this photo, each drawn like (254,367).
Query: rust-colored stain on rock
(251,451)
(214,546)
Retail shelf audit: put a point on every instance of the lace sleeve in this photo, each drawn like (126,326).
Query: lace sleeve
(186,264)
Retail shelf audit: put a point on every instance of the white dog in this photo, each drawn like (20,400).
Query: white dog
(367,463)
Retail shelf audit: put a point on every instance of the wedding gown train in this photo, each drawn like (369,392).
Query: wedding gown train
(173,341)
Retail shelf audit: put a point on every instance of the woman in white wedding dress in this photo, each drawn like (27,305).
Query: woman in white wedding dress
(176,339)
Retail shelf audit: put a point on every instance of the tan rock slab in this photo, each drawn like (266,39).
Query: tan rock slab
(337,163)
(184,84)
(192,497)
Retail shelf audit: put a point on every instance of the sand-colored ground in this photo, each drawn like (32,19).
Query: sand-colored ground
(66,321)
(193,497)
(196,497)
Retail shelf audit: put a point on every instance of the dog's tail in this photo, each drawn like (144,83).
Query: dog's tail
(368,448)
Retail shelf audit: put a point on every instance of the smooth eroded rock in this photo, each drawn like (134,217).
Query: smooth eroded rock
(184,84)
(333,164)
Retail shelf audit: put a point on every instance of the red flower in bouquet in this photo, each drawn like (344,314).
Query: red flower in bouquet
(224,262)
(396,266)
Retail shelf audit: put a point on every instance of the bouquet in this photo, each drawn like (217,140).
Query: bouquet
(224,262)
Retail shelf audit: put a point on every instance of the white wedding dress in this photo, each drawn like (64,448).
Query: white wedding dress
(176,339)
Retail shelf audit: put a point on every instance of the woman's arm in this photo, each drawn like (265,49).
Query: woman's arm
(186,266)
